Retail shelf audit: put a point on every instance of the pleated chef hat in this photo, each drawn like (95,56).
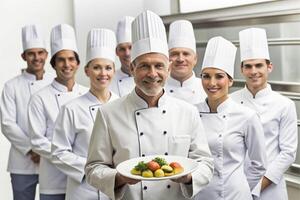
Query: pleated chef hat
(62,38)
(124,29)
(148,35)
(254,44)
(32,37)
(181,34)
(101,43)
(220,54)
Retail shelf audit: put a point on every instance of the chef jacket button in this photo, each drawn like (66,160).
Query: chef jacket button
(166,153)
(220,135)
(93,108)
(31,83)
(141,133)
(165,132)
(145,187)
(164,111)
(224,116)
(171,91)
(200,115)
(120,80)
(58,95)
(242,102)
(168,186)
(218,156)
(143,155)
(138,113)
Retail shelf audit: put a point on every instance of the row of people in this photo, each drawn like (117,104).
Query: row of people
(148,121)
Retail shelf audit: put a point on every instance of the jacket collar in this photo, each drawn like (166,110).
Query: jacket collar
(186,83)
(142,104)
(29,76)
(62,88)
(223,107)
(262,93)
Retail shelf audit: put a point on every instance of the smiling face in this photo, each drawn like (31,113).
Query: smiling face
(123,51)
(35,58)
(256,72)
(100,71)
(66,65)
(183,60)
(150,72)
(216,84)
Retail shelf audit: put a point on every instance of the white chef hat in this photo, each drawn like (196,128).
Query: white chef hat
(124,29)
(101,43)
(181,34)
(220,54)
(32,37)
(254,44)
(63,38)
(148,35)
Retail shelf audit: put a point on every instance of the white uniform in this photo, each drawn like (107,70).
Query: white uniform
(14,119)
(278,116)
(122,84)
(42,112)
(190,90)
(127,128)
(233,132)
(71,137)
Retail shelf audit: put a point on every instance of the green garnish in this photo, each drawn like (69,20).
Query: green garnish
(160,161)
(142,166)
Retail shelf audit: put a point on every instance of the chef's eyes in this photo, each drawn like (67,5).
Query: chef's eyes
(218,76)
(107,67)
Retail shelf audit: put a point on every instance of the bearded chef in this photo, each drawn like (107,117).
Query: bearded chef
(147,122)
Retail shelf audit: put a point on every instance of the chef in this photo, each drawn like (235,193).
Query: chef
(147,122)
(75,120)
(182,83)
(123,82)
(233,131)
(277,113)
(23,162)
(45,105)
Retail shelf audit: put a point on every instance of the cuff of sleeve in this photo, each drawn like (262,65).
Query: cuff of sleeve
(187,190)
(257,189)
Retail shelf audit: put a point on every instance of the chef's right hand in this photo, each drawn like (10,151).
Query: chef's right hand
(34,157)
(121,180)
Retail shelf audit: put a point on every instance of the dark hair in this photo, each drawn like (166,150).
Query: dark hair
(52,61)
(267,62)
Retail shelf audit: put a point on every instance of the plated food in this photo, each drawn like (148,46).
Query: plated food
(157,167)
(187,166)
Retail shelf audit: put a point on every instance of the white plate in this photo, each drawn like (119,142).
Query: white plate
(188,164)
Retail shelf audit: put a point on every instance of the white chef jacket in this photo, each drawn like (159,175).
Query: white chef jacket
(71,137)
(122,84)
(42,112)
(14,120)
(190,90)
(278,116)
(233,132)
(127,128)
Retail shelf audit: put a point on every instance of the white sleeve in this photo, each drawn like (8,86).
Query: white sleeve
(9,126)
(62,154)
(38,127)
(288,141)
(255,142)
(100,157)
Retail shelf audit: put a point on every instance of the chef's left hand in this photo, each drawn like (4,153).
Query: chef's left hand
(187,179)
